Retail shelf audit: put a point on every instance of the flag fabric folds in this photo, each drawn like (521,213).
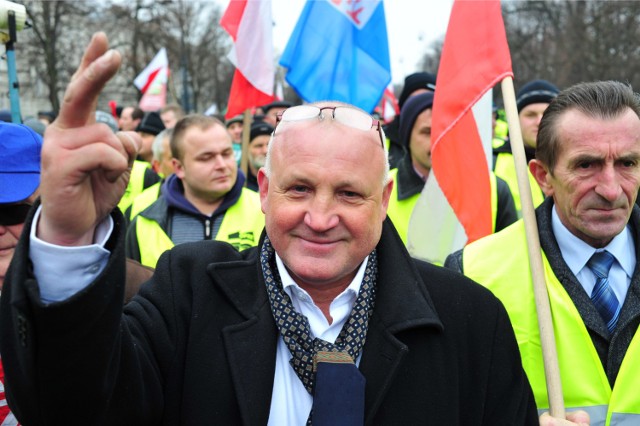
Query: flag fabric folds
(249,24)
(152,82)
(475,57)
(339,51)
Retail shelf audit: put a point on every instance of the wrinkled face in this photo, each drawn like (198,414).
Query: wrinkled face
(165,165)
(235,130)
(258,152)
(597,175)
(169,119)
(420,142)
(272,115)
(530,117)
(9,235)
(324,206)
(208,168)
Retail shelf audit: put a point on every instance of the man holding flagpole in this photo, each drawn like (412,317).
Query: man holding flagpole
(588,164)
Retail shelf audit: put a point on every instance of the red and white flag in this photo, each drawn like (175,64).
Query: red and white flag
(249,24)
(475,57)
(152,82)
(389,107)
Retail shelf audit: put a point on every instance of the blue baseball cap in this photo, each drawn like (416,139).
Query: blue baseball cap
(20,150)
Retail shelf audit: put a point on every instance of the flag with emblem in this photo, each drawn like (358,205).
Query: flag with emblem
(339,50)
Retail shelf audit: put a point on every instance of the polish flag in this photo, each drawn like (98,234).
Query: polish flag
(152,82)
(475,57)
(249,24)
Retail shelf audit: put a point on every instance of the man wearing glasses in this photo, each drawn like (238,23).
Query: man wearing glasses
(327,321)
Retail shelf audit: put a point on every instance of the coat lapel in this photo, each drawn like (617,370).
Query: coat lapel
(250,344)
(402,303)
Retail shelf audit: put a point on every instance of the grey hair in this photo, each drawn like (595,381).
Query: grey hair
(158,147)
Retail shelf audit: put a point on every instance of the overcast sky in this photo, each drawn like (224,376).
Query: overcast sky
(412,25)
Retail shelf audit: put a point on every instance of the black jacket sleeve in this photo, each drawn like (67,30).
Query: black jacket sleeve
(507,213)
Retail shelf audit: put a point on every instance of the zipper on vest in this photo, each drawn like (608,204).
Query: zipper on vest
(207,229)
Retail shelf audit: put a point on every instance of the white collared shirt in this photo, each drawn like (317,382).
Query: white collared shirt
(290,402)
(576,254)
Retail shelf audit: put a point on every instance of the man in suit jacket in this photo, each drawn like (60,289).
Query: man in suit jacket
(588,164)
(200,343)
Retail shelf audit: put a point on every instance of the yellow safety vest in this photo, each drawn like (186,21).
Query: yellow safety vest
(500,263)
(241,227)
(136,184)
(506,169)
(399,211)
(145,199)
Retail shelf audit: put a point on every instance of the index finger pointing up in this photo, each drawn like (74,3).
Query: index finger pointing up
(96,69)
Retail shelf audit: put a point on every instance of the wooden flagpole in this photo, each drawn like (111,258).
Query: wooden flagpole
(246,130)
(545,323)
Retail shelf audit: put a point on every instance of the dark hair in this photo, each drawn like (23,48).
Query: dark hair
(194,120)
(598,99)
(137,113)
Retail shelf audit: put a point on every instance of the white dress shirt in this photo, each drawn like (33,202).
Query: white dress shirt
(576,254)
(61,272)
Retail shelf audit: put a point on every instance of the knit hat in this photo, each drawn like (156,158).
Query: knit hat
(20,150)
(260,128)
(415,81)
(276,104)
(410,111)
(237,119)
(536,91)
(151,123)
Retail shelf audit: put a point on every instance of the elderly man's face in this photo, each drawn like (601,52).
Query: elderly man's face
(597,175)
(258,152)
(324,202)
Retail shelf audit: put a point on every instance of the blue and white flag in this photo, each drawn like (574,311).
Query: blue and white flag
(339,51)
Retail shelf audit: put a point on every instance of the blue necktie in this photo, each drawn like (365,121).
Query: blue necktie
(603,296)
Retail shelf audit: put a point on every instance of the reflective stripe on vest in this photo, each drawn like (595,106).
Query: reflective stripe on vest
(506,169)
(500,263)
(399,211)
(241,227)
(135,186)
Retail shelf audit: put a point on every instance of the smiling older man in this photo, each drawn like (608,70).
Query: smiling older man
(327,320)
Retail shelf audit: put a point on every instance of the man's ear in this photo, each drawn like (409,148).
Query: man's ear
(177,168)
(263,185)
(542,175)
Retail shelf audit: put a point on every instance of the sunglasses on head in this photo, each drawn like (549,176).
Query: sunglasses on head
(348,116)
(13,214)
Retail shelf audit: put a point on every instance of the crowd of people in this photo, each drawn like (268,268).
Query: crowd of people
(157,277)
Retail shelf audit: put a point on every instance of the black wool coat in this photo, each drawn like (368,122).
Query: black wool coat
(197,345)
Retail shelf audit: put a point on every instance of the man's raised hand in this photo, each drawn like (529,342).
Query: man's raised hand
(85,166)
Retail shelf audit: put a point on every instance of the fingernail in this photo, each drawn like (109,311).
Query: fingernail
(106,58)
